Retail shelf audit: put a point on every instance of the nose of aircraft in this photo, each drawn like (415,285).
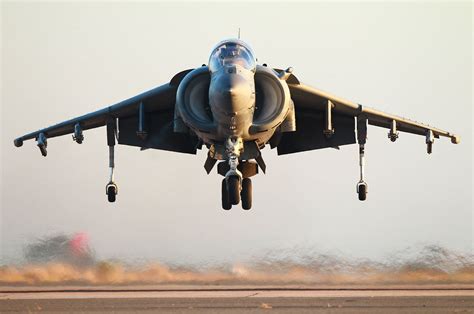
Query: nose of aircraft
(230,93)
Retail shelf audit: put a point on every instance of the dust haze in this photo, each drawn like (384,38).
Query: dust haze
(69,259)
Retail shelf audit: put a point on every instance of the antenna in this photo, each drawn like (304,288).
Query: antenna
(239,32)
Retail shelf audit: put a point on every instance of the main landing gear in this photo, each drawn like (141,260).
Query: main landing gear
(246,193)
(235,190)
(236,185)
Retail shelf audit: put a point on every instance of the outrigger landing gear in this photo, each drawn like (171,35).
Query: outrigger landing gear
(361,185)
(111,188)
(362,188)
(112,191)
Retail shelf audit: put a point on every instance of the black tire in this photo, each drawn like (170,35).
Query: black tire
(225,196)
(233,188)
(111,194)
(246,193)
(362,192)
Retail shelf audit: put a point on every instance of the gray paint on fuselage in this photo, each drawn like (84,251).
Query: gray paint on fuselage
(232,101)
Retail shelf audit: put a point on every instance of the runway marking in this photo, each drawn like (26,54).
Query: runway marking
(236,294)
(213,288)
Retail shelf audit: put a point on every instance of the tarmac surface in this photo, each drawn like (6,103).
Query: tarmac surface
(238,299)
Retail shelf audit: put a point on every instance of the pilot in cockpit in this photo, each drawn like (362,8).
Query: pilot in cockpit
(229,53)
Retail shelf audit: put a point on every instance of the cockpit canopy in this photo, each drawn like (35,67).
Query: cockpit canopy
(230,52)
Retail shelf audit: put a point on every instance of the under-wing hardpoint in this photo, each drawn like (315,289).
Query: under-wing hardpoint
(235,108)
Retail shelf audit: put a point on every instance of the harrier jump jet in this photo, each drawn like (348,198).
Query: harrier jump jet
(235,108)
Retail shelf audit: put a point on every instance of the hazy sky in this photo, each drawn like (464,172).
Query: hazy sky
(64,60)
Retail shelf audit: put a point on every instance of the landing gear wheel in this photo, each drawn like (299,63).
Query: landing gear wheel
(362,191)
(225,196)
(246,193)
(111,192)
(233,188)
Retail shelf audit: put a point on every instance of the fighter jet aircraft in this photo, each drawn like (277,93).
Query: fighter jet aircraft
(235,108)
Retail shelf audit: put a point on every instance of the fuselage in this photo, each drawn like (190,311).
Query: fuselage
(233,98)
(232,67)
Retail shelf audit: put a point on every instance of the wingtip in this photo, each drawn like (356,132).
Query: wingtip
(18,142)
(455,139)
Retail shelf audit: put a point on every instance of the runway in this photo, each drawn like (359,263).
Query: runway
(238,299)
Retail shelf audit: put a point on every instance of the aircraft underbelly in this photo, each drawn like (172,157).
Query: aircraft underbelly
(309,133)
(159,133)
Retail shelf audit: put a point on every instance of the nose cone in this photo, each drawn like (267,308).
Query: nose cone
(230,93)
(236,86)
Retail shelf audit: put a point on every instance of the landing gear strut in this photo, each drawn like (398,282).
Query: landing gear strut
(362,187)
(111,188)
(237,186)
(233,177)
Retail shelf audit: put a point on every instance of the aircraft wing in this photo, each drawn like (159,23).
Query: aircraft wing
(310,101)
(156,99)
(157,103)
